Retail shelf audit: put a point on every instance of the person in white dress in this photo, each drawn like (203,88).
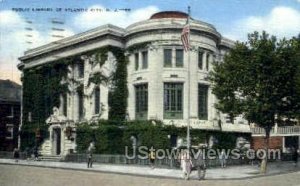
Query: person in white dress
(186,164)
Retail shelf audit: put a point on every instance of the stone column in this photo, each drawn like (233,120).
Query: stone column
(193,84)
(153,58)
(159,84)
(104,101)
(62,141)
(211,97)
(75,106)
(73,94)
(130,99)
(61,105)
(86,103)
(69,95)
(173,57)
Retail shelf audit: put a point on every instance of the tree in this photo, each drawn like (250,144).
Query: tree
(260,80)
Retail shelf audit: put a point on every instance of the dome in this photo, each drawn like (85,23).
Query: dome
(169,14)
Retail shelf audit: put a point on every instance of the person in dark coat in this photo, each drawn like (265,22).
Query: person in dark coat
(36,153)
(27,153)
(295,156)
(90,155)
(16,154)
(200,164)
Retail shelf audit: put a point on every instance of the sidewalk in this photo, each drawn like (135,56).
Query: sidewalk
(232,172)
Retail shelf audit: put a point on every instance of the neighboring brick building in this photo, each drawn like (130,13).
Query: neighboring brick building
(281,137)
(275,142)
(10,94)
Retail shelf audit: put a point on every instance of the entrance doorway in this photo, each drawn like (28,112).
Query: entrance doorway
(57,141)
(291,142)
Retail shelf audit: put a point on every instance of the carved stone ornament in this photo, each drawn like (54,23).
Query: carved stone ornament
(56,117)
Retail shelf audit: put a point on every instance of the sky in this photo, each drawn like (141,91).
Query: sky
(22,27)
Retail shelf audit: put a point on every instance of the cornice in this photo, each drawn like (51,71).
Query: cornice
(227,42)
(161,24)
(76,39)
(124,35)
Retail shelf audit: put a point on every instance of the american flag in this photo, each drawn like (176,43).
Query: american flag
(185,37)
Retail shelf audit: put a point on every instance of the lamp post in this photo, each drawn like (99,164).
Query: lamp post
(189,83)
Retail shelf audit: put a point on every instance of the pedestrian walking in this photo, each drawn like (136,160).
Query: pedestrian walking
(295,156)
(152,159)
(200,165)
(222,158)
(36,154)
(16,154)
(186,164)
(90,155)
(27,153)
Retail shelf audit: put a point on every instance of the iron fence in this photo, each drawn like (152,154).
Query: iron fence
(164,163)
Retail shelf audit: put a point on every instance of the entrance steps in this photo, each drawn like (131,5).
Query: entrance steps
(54,158)
(45,148)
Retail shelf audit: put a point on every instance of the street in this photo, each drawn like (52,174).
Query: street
(16,175)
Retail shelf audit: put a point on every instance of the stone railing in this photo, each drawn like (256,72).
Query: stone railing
(290,130)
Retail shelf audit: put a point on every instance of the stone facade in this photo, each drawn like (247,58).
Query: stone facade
(147,66)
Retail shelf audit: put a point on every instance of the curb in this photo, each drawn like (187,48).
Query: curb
(144,175)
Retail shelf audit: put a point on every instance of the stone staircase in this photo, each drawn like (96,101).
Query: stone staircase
(45,152)
(45,148)
(54,158)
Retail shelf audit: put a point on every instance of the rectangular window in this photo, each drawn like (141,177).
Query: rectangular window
(144,60)
(167,57)
(97,100)
(80,104)
(179,58)
(141,102)
(203,102)
(200,60)
(136,61)
(80,70)
(227,119)
(11,114)
(207,61)
(9,131)
(173,101)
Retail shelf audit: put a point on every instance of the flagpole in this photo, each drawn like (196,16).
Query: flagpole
(189,84)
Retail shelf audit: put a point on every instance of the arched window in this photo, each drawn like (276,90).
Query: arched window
(97,100)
